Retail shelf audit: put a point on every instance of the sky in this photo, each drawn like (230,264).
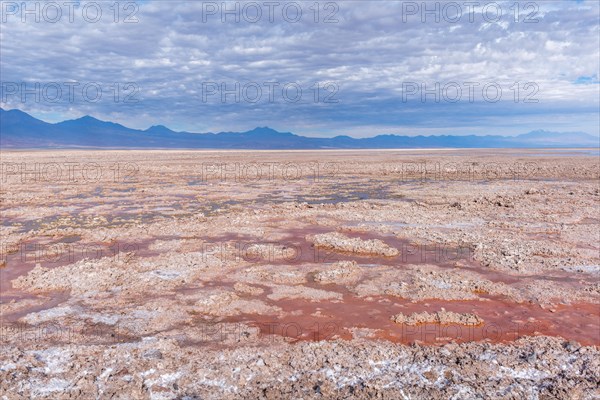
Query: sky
(317,68)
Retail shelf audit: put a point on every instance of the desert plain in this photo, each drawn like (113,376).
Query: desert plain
(401,274)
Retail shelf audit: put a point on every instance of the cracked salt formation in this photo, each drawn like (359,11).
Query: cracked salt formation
(439,317)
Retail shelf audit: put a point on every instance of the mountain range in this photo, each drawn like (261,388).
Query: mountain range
(19,130)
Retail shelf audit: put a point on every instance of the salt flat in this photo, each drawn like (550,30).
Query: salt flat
(213,274)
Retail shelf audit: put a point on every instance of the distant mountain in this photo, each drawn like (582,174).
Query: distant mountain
(558,137)
(20,130)
(158,130)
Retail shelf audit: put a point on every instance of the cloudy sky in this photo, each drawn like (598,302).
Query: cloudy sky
(317,68)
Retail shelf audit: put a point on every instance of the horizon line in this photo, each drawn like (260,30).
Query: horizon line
(284,132)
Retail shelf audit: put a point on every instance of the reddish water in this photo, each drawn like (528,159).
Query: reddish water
(504,320)
(20,259)
(301,319)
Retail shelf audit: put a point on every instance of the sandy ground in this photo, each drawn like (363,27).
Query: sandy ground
(337,274)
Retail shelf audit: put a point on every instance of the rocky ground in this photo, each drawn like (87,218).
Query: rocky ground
(338,274)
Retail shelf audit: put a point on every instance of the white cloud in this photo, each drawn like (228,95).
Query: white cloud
(373,49)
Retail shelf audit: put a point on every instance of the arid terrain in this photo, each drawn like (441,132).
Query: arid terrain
(401,274)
